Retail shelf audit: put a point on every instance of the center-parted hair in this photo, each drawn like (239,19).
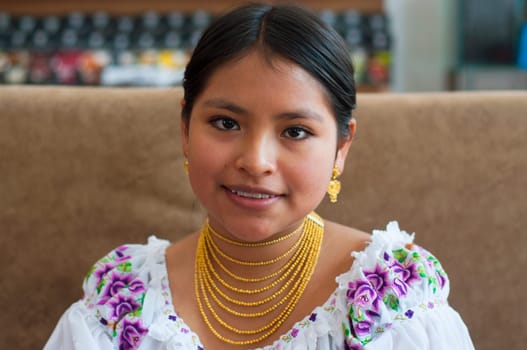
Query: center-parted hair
(285,31)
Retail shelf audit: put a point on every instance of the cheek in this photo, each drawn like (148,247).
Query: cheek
(203,162)
(200,147)
(203,170)
(313,174)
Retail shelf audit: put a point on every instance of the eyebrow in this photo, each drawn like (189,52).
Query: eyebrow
(225,104)
(300,113)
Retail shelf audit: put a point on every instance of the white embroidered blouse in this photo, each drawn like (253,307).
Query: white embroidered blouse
(393,297)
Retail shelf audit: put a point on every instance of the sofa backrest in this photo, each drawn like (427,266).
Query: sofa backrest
(84,170)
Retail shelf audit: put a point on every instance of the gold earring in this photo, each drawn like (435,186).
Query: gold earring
(334,185)
(185,166)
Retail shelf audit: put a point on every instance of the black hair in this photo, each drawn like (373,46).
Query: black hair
(288,31)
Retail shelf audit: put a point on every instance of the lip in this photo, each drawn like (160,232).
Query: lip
(252,197)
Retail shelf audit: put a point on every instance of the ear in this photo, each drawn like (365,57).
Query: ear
(184,137)
(344,145)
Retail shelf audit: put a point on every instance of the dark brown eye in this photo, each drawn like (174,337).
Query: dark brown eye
(296,133)
(224,123)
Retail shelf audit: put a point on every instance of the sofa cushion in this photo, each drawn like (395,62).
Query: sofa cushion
(84,170)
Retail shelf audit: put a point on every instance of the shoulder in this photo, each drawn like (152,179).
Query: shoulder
(341,240)
(115,288)
(391,279)
(393,251)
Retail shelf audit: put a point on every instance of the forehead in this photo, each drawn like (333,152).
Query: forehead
(255,76)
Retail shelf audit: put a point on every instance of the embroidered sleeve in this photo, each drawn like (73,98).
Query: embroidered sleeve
(115,293)
(398,283)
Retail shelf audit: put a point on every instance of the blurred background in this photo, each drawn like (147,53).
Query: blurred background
(396,45)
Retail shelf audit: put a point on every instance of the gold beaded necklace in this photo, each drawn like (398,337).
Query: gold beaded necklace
(215,294)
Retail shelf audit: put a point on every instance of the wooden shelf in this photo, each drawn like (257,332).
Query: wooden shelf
(59,7)
(372,88)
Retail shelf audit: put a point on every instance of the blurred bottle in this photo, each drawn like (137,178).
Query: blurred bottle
(195,24)
(379,62)
(65,66)
(16,57)
(125,24)
(5,21)
(102,22)
(65,61)
(175,21)
(52,24)
(91,65)
(105,28)
(353,31)
(95,57)
(352,19)
(199,20)
(40,71)
(151,22)
(4,65)
(329,17)
(522,47)
(17,67)
(78,23)
(5,28)
(27,24)
(171,40)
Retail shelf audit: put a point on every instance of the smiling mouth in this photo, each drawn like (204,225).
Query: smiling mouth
(252,195)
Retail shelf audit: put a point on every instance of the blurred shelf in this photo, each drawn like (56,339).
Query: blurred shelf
(137,42)
(372,88)
(46,7)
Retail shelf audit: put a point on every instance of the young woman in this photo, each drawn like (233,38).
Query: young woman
(266,127)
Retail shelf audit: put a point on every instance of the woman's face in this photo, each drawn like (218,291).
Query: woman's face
(261,144)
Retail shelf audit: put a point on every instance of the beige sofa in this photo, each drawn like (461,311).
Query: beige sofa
(83,170)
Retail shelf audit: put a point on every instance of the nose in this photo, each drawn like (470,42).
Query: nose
(257,155)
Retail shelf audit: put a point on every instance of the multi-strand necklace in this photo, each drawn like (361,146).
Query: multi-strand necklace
(285,285)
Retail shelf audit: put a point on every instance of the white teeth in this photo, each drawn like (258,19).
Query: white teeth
(252,195)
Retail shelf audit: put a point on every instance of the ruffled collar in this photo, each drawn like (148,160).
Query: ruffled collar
(327,319)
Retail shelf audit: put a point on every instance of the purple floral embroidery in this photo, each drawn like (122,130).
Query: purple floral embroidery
(352,344)
(119,251)
(365,303)
(131,335)
(406,275)
(294,332)
(400,287)
(363,328)
(442,280)
(110,262)
(379,279)
(117,283)
(409,313)
(313,317)
(362,294)
(122,305)
(103,270)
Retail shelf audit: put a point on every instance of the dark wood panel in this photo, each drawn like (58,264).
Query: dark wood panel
(43,7)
